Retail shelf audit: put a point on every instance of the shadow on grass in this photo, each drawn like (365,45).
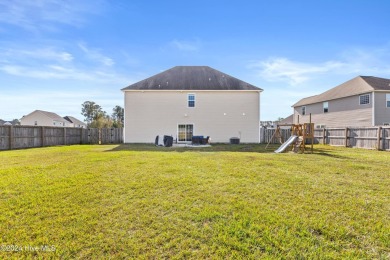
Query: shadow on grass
(319,150)
(248,148)
(326,153)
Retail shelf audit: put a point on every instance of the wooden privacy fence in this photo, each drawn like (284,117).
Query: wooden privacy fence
(267,134)
(359,137)
(18,137)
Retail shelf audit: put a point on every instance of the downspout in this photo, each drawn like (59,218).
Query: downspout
(373,109)
(124,117)
(258,124)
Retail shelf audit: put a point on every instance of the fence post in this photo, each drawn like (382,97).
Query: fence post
(346,137)
(379,138)
(81,135)
(323,135)
(11,137)
(42,136)
(99,136)
(383,139)
(64,135)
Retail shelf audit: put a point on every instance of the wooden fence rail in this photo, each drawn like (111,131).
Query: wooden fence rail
(267,135)
(19,137)
(360,137)
(368,137)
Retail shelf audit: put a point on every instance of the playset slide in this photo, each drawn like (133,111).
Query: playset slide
(290,141)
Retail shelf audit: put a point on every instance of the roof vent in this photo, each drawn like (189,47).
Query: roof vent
(209,79)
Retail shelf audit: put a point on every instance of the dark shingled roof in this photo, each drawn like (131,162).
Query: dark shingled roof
(377,83)
(191,78)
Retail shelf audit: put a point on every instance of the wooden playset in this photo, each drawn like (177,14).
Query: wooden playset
(301,135)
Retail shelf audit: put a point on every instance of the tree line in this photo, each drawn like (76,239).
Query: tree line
(95,117)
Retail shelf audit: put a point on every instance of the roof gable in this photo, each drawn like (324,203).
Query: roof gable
(74,120)
(191,78)
(50,115)
(355,86)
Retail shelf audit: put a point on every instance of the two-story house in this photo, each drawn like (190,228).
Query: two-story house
(192,100)
(43,118)
(360,102)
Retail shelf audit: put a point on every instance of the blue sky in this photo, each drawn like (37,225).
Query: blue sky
(56,54)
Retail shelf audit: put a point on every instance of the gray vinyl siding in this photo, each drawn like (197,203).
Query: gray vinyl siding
(343,112)
(382,113)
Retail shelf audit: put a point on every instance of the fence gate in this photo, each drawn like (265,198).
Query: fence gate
(93,136)
(105,135)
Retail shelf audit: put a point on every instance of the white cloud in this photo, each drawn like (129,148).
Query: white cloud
(283,69)
(54,63)
(352,63)
(95,55)
(47,53)
(66,73)
(39,15)
(186,45)
(59,101)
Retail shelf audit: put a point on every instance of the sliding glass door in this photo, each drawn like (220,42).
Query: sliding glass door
(185,132)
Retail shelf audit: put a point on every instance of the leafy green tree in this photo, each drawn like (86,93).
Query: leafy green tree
(97,118)
(91,111)
(15,122)
(102,120)
(118,116)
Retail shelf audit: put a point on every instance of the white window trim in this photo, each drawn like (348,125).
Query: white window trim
(177,135)
(369,99)
(323,107)
(188,100)
(387,100)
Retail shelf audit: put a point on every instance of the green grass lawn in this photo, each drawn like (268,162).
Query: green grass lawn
(234,202)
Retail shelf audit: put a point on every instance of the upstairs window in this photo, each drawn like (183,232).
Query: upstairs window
(325,105)
(364,99)
(387,100)
(191,100)
(319,126)
(303,111)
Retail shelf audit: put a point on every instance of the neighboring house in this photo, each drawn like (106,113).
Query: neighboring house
(74,122)
(9,123)
(287,121)
(361,101)
(192,100)
(268,124)
(43,118)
